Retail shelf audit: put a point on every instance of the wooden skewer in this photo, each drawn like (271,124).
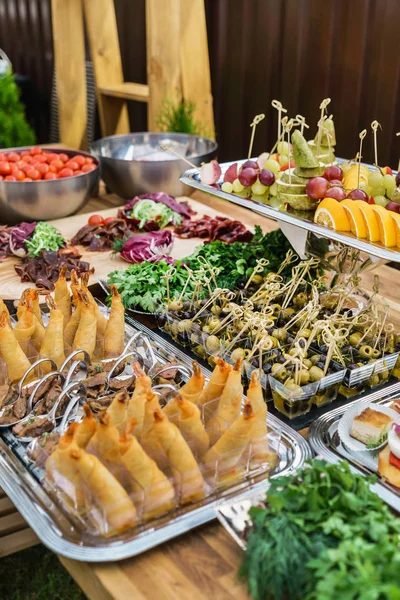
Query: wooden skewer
(167,147)
(374,127)
(278,105)
(361,136)
(302,121)
(257,119)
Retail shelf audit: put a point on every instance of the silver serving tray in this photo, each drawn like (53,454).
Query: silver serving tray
(58,532)
(324,439)
(191,177)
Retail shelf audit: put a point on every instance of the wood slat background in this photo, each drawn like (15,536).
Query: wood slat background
(298,51)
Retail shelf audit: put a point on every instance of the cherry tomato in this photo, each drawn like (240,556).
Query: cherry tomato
(21,163)
(87,168)
(36,150)
(28,158)
(71,164)
(40,158)
(10,178)
(63,157)
(43,168)
(89,160)
(2,156)
(28,179)
(96,220)
(81,160)
(65,173)
(13,157)
(78,172)
(25,153)
(50,175)
(5,168)
(52,169)
(57,164)
(33,174)
(108,220)
(19,175)
(51,156)
(13,167)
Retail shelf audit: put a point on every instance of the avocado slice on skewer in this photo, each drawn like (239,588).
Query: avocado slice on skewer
(303,155)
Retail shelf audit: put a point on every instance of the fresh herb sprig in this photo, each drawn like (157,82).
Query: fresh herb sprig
(375,443)
(333,515)
(44,237)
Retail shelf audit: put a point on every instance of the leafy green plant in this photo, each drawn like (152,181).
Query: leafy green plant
(14,129)
(179,117)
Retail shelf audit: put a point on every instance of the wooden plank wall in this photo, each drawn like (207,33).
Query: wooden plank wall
(298,51)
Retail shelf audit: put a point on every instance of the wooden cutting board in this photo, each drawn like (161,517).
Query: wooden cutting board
(11,286)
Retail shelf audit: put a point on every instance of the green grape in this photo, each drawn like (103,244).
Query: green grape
(389,183)
(237,186)
(273,189)
(283,160)
(258,188)
(375,179)
(365,187)
(390,193)
(283,148)
(263,199)
(272,165)
(227,187)
(377,191)
(381,200)
(274,202)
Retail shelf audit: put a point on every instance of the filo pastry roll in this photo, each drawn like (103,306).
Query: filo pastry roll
(229,404)
(149,482)
(53,342)
(189,480)
(11,352)
(115,510)
(148,438)
(105,441)
(62,295)
(137,402)
(38,334)
(224,455)
(191,391)
(85,336)
(118,410)
(25,327)
(216,383)
(259,448)
(191,427)
(115,331)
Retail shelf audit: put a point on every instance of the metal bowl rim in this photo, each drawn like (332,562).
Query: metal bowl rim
(127,135)
(56,151)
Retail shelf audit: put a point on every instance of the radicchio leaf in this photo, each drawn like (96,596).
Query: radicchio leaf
(148,246)
(19,235)
(182,208)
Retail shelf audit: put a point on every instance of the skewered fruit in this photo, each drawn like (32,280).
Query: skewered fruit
(303,155)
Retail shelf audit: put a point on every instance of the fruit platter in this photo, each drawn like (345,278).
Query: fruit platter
(303,186)
(116,440)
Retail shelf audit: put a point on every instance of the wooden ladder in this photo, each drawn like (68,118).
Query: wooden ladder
(177,64)
(15,534)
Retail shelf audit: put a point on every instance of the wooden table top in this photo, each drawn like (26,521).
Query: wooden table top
(204,562)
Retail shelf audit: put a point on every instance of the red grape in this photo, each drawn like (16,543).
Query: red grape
(252,164)
(267,177)
(358,195)
(333,172)
(335,182)
(317,187)
(336,192)
(398,179)
(248,176)
(231,173)
(393,206)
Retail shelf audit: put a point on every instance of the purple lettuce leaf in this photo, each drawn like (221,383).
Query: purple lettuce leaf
(19,235)
(148,246)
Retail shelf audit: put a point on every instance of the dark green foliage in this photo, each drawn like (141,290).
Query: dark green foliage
(179,117)
(14,129)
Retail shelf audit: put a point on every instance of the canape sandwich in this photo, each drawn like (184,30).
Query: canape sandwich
(370,426)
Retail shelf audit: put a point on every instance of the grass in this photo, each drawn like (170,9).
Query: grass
(36,574)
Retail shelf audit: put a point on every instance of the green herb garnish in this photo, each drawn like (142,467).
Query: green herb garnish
(375,443)
(45,237)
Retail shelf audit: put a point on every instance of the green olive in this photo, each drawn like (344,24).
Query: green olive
(375,353)
(276,308)
(355,338)
(238,353)
(216,310)
(300,299)
(211,361)
(185,325)
(280,334)
(206,329)
(373,380)
(257,279)
(194,338)
(305,333)
(304,376)
(307,363)
(315,358)
(292,386)
(384,375)
(213,323)
(175,305)
(287,313)
(366,351)
(316,374)
(213,344)
(278,371)
(200,351)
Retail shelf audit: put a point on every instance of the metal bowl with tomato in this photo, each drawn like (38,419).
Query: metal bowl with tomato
(44,183)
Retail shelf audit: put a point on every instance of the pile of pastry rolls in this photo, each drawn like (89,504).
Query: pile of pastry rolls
(137,460)
(75,323)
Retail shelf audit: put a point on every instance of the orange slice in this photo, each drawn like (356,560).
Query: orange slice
(371,221)
(331,214)
(396,220)
(387,230)
(355,216)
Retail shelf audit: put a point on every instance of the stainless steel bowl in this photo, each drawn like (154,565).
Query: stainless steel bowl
(44,200)
(135,164)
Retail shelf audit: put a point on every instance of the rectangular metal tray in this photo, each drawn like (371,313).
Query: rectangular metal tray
(325,442)
(58,532)
(191,177)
